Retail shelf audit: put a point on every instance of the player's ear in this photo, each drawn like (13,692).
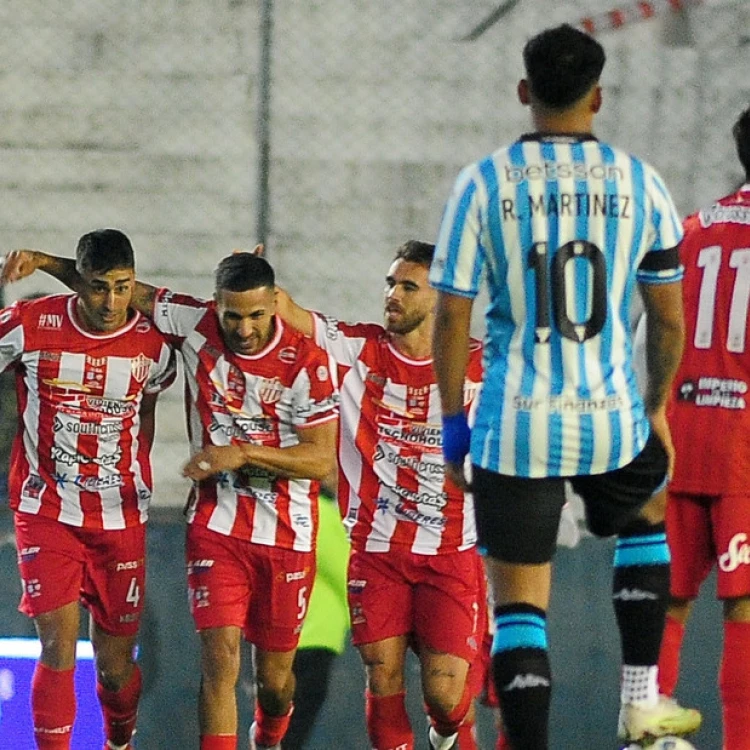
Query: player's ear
(524,92)
(596,100)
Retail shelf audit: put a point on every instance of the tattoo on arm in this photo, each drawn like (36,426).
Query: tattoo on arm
(665,339)
(663,352)
(62,269)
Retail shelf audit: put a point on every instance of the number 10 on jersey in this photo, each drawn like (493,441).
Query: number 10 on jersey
(555,285)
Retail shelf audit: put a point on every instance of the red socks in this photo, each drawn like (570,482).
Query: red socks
(270,730)
(445,726)
(467,736)
(669,655)
(219,742)
(53,707)
(387,722)
(734,685)
(120,708)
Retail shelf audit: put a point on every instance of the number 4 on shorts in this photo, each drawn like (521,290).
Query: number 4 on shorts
(134,592)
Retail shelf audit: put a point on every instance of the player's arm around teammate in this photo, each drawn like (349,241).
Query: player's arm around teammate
(18,264)
(81,479)
(263,409)
(265,399)
(414,574)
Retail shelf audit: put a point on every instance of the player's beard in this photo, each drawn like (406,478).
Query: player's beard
(405,323)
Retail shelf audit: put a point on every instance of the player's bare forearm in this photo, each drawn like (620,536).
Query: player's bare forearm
(293,314)
(312,458)
(18,264)
(450,349)
(144,296)
(665,340)
(147,415)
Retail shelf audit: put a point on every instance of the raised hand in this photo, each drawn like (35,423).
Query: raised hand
(18,264)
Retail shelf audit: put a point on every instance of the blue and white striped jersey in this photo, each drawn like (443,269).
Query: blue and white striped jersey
(561,227)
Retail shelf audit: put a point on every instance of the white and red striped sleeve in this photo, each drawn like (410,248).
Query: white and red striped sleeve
(11,335)
(343,341)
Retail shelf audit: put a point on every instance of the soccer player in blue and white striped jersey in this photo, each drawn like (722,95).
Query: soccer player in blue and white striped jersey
(563,226)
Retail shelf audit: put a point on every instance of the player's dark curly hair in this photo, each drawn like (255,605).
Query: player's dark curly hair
(741,133)
(414,251)
(242,271)
(104,250)
(562,64)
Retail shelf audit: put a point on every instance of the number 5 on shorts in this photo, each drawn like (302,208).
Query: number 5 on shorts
(302,602)
(134,592)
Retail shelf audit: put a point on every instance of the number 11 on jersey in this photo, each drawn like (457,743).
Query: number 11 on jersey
(709,259)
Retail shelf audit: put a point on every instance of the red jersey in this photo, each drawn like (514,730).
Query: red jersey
(709,412)
(392,487)
(264,399)
(78,456)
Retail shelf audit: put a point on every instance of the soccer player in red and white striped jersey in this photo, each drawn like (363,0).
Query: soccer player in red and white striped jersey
(88,369)
(262,418)
(414,574)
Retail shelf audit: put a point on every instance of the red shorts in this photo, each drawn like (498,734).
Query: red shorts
(262,590)
(480,669)
(483,682)
(105,570)
(434,599)
(703,531)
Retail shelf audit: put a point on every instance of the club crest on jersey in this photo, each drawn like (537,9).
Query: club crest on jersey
(140,367)
(270,390)
(288,355)
(417,400)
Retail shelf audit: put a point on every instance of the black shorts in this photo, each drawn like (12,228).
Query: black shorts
(517,517)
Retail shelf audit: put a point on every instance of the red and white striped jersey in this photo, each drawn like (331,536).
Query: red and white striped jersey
(78,456)
(392,486)
(264,399)
(709,413)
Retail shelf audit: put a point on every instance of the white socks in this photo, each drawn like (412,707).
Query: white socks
(439,742)
(639,685)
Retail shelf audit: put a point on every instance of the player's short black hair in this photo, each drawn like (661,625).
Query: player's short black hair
(741,133)
(562,64)
(240,272)
(104,250)
(414,251)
